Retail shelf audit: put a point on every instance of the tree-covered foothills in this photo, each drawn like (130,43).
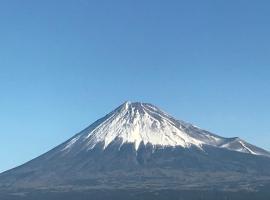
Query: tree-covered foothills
(263,194)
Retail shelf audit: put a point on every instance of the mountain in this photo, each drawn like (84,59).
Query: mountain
(141,123)
(139,149)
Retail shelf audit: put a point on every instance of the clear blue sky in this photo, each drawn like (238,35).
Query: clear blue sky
(65,63)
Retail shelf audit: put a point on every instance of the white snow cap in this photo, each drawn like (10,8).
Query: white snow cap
(142,123)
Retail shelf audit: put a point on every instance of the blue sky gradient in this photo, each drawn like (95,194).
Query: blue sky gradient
(66,63)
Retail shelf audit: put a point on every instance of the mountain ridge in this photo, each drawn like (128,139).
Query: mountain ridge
(137,146)
(143,122)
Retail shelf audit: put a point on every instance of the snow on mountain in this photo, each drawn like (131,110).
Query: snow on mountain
(139,123)
(139,146)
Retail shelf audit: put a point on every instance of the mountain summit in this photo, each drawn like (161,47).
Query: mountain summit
(139,148)
(143,123)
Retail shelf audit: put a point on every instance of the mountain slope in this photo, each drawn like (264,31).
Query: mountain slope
(138,123)
(138,146)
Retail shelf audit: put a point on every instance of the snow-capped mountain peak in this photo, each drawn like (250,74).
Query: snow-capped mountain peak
(143,123)
(138,145)
(136,123)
